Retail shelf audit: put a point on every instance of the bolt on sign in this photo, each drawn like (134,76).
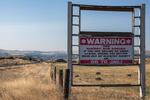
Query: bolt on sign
(106,49)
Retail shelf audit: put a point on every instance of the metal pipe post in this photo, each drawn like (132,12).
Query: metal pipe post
(142,49)
(69,43)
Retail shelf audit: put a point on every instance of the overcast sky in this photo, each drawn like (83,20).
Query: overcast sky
(42,24)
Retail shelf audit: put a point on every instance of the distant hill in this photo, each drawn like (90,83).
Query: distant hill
(52,55)
(2,54)
(41,55)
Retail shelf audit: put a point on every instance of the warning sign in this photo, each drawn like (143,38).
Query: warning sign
(106,50)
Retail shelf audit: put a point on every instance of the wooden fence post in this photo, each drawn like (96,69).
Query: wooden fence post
(60,79)
(54,74)
(51,72)
(66,84)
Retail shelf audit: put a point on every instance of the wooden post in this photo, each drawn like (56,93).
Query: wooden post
(54,74)
(51,72)
(60,79)
(66,84)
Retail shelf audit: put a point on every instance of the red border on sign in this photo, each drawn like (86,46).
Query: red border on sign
(105,62)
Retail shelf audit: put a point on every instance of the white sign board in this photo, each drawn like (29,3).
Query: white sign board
(106,50)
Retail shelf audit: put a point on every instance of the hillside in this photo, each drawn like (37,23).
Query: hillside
(14,62)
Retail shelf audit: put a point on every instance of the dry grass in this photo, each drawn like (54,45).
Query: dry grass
(107,75)
(10,62)
(32,82)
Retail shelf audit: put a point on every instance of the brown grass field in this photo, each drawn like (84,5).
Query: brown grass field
(32,82)
(11,62)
